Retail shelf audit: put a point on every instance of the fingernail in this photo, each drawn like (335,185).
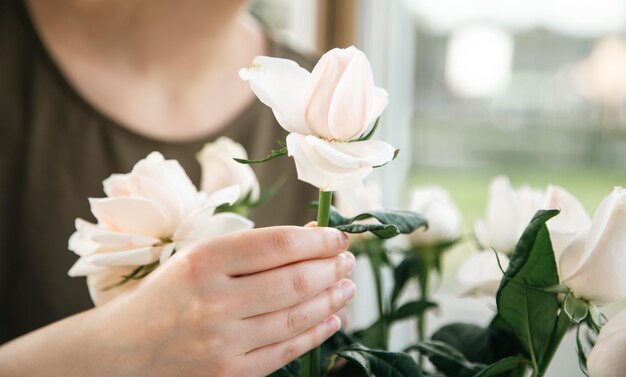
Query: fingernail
(348,261)
(348,289)
(343,239)
(333,324)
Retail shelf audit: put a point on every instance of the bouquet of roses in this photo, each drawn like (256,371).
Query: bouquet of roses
(549,271)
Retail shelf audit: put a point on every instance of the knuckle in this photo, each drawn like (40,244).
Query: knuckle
(283,240)
(296,319)
(290,352)
(301,282)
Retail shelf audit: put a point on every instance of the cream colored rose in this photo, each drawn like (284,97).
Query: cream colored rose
(593,265)
(325,111)
(147,215)
(443,216)
(219,170)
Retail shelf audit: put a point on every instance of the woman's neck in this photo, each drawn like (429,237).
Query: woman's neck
(172,59)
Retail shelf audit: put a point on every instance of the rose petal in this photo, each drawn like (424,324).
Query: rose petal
(443,216)
(133,257)
(110,238)
(600,276)
(322,83)
(354,155)
(202,224)
(319,171)
(378,105)
(352,97)
(131,215)
(102,286)
(82,267)
(572,220)
(480,273)
(166,253)
(607,356)
(280,84)
(228,195)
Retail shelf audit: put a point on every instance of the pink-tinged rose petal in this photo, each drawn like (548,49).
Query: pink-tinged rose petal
(607,356)
(117,185)
(82,267)
(347,115)
(279,84)
(480,274)
(377,106)
(132,215)
(592,266)
(201,225)
(354,155)
(317,170)
(81,246)
(133,257)
(323,81)
(103,286)
(109,238)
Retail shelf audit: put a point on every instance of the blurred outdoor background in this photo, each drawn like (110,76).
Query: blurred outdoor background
(533,89)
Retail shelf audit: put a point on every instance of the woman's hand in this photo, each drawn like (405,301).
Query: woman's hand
(239,305)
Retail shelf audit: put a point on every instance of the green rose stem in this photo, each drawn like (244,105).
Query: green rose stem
(563,324)
(375,254)
(323,217)
(427,259)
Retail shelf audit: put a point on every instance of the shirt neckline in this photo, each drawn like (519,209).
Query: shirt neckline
(67,86)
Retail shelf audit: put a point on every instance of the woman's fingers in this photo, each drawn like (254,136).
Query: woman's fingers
(285,324)
(262,249)
(267,359)
(286,286)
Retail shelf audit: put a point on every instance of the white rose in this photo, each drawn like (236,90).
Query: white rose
(480,273)
(148,214)
(569,223)
(325,111)
(219,170)
(443,216)
(355,201)
(607,356)
(509,211)
(593,265)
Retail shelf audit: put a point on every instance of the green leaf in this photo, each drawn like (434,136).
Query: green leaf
(373,336)
(447,359)
(373,363)
(273,154)
(478,344)
(390,222)
(413,308)
(402,275)
(383,231)
(405,221)
(407,269)
(502,366)
(522,302)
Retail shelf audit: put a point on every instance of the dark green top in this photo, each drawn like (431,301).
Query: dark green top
(55,150)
